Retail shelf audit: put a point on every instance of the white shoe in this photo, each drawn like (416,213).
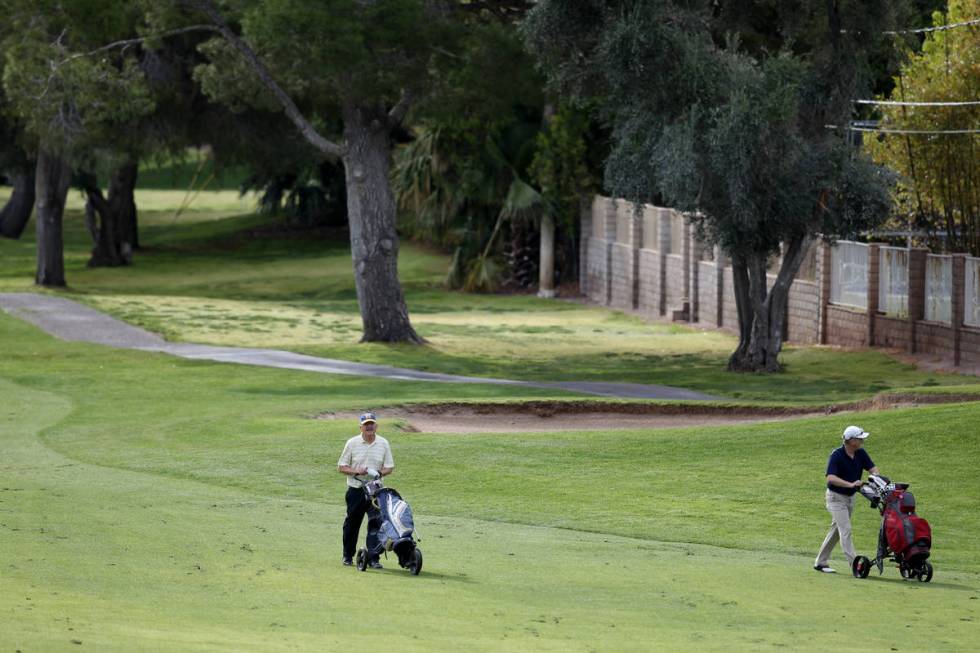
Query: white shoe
(825,569)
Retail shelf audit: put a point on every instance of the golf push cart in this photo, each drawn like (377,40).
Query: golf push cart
(904,537)
(396,531)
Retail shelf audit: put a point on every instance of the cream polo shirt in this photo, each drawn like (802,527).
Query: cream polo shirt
(358,453)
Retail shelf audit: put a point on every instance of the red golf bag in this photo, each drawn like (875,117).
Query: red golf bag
(907,535)
(904,537)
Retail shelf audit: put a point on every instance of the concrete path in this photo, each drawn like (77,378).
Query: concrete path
(70,320)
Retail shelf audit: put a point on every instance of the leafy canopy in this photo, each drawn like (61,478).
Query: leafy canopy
(65,97)
(703,123)
(329,52)
(940,173)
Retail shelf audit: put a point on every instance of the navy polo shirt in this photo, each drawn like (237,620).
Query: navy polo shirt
(847,468)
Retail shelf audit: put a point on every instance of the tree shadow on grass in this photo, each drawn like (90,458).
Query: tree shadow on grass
(425,574)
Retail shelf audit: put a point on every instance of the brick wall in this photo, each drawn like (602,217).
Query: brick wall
(595,269)
(625,266)
(729,311)
(622,276)
(649,282)
(892,332)
(676,293)
(801,313)
(846,327)
(933,338)
(970,344)
(708,293)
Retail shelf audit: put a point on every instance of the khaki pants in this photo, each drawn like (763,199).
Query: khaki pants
(840,508)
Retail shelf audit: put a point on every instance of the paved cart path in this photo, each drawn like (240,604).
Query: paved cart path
(69,320)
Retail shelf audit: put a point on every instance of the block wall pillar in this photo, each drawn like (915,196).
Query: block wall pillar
(917,292)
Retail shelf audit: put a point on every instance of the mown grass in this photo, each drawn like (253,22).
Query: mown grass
(195,169)
(210,278)
(156,503)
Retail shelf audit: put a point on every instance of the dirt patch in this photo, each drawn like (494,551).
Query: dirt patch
(512,422)
(544,416)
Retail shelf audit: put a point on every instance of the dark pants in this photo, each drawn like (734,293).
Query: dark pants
(359,505)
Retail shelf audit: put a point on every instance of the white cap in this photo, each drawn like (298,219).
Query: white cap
(854,432)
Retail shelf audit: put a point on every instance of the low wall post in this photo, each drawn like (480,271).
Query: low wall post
(609,233)
(721,262)
(585,235)
(690,275)
(824,261)
(874,278)
(917,292)
(956,303)
(636,242)
(663,247)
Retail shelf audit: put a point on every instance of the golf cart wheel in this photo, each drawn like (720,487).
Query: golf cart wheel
(925,574)
(361,559)
(415,566)
(861,567)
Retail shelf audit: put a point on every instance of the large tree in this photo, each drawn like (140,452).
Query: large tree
(367,62)
(734,132)
(364,62)
(17,166)
(68,99)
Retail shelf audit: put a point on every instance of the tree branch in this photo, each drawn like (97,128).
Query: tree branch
(505,11)
(57,65)
(128,42)
(308,131)
(397,113)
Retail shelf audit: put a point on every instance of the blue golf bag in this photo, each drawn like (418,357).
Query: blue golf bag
(395,530)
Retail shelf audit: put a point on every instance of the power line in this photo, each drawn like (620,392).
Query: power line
(894,103)
(885,130)
(923,30)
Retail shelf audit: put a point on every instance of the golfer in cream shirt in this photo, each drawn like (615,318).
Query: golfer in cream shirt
(362,452)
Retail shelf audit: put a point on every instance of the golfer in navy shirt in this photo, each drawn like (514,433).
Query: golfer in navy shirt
(844,469)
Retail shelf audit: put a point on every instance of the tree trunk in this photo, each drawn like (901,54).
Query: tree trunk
(370,202)
(17,211)
(112,221)
(51,188)
(763,317)
(122,186)
(743,303)
(373,238)
(546,275)
(546,257)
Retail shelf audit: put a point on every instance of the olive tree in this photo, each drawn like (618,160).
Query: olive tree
(734,133)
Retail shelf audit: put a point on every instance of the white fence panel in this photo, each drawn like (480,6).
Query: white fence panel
(971,293)
(939,289)
(893,281)
(849,274)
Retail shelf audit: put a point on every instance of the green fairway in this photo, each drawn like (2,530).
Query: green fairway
(156,503)
(234,236)
(162,504)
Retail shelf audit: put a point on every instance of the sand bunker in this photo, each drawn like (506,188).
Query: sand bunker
(555,416)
